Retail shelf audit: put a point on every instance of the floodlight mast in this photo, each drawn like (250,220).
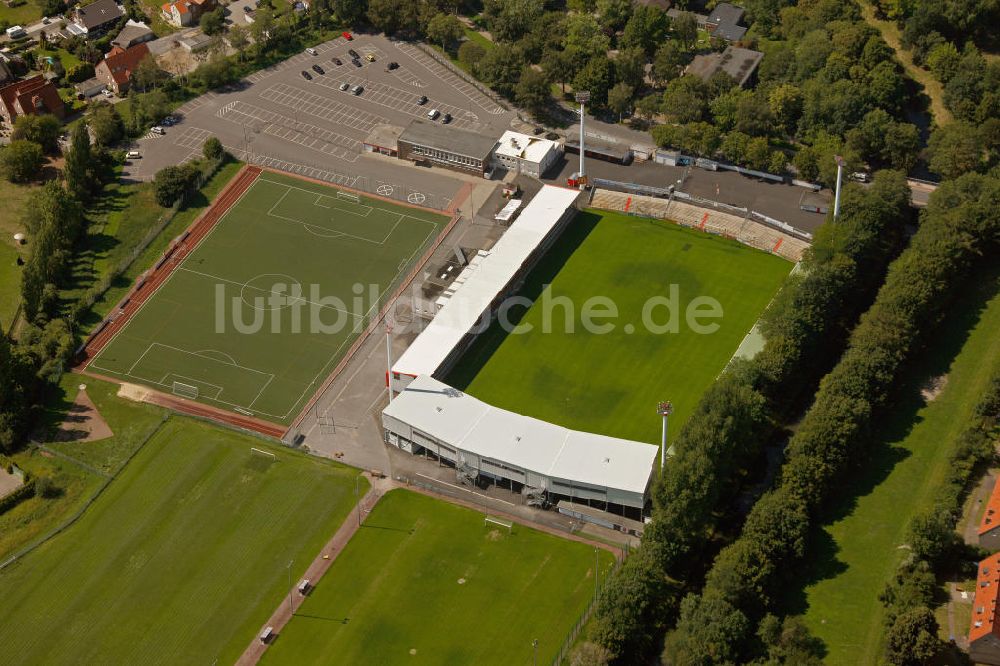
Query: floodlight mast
(582,97)
(840,177)
(664,409)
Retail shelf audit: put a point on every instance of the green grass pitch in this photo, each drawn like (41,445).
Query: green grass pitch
(610,383)
(345,255)
(180,560)
(426,582)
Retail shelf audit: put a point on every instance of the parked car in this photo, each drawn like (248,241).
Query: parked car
(247,10)
(133,155)
(107,93)
(353,53)
(156,129)
(306,75)
(446,119)
(552,136)
(46,20)
(357,90)
(392,66)
(319,70)
(311,51)
(370,57)
(422,100)
(347,36)
(433,114)
(337,61)
(345,86)
(356,62)
(860,176)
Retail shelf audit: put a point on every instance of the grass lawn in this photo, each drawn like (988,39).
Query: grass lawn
(120,221)
(24,14)
(858,552)
(609,384)
(260,355)
(13,196)
(180,559)
(426,582)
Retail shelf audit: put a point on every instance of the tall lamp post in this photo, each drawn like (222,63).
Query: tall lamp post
(664,409)
(840,177)
(582,97)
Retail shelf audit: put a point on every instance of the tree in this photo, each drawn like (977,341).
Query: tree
(239,39)
(105,124)
(649,106)
(630,67)
(685,99)
(685,29)
(595,77)
(532,91)
(584,37)
(470,53)
(351,11)
(954,149)
(445,29)
(43,130)
(559,66)
(646,29)
(21,160)
(79,168)
(212,149)
(669,61)
(614,13)
(172,183)
(213,22)
(912,639)
(620,99)
(509,20)
(785,101)
(501,68)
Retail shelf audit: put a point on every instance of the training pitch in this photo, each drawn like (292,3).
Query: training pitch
(262,310)
(611,383)
(426,582)
(181,558)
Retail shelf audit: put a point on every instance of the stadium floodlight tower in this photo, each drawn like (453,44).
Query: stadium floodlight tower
(582,96)
(840,177)
(664,409)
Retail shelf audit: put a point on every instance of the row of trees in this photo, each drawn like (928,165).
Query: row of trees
(960,225)
(805,328)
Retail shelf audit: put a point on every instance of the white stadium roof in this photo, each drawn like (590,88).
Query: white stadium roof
(462,421)
(473,298)
(525,147)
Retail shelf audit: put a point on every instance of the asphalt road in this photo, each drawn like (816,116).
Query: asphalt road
(278,118)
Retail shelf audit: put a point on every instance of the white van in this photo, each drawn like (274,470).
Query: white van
(311,51)
(156,129)
(433,114)
(133,155)
(16,32)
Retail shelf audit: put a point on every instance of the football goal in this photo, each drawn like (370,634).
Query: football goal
(185,390)
(493,520)
(349,196)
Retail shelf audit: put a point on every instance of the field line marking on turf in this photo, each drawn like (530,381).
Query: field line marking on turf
(232,361)
(266,384)
(269,291)
(341,233)
(141,356)
(320,195)
(334,187)
(209,358)
(322,372)
(163,382)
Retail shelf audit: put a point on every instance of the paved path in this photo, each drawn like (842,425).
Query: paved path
(315,572)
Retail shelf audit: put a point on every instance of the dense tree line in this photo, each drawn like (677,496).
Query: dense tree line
(960,225)
(805,328)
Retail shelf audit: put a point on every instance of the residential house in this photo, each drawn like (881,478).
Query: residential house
(115,71)
(33,96)
(183,13)
(134,32)
(984,630)
(740,64)
(989,527)
(724,22)
(97,18)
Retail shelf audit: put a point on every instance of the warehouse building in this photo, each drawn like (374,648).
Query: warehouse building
(480,440)
(529,155)
(484,284)
(448,147)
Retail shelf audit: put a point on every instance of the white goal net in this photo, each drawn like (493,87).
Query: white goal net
(185,390)
(348,196)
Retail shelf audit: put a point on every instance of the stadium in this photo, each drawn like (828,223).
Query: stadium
(572,414)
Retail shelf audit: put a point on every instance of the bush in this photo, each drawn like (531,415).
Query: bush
(171,184)
(212,149)
(45,487)
(80,72)
(21,160)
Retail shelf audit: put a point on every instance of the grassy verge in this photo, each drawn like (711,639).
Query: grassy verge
(860,549)
(13,197)
(181,558)
(427,582)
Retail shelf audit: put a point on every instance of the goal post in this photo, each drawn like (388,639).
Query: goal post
(261,453)
(493,520)
(349,196)
(185,390)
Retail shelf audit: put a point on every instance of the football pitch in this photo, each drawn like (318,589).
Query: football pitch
(180,560)
(262,310)
(610,383)
(426,582)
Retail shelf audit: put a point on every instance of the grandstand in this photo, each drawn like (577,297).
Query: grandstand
(743,229)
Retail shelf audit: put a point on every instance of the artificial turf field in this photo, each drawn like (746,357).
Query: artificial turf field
(610,384)
(180,560)
(191,338)
(426,582)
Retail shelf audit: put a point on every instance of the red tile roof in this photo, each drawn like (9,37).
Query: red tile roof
(121,62)
(991,517)
(31,96)
(985,605)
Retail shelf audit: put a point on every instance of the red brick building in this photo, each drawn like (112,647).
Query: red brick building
(115,71)
(33,96)
(984,633)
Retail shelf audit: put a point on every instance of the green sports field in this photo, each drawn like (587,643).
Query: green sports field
(426,582)
(610,383)
(263,309)
(182,557)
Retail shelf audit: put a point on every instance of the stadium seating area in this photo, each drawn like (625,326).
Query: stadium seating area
(747,231)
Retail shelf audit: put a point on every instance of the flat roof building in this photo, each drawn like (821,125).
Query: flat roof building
(383,139)
(445,146)
(479,439)
(526,154)
(724,22)
(740,64)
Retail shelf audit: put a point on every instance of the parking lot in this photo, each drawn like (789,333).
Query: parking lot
(280,118)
